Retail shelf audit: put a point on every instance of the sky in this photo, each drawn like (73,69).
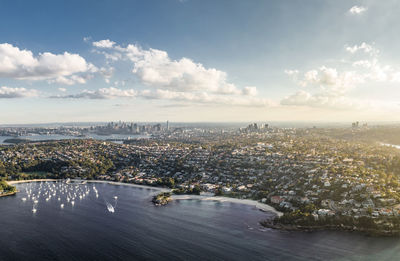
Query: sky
(199,61)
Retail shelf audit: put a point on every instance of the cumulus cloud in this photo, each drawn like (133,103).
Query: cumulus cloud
(181,79)
(320,100)
(23,65)
(8,92)
(357,9)
(104,44)
(155,68)
(330,87)
(362,63)
(375,72)
(107,73)
(330,80)
(71,80)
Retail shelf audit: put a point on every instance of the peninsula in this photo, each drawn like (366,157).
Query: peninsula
(6,189)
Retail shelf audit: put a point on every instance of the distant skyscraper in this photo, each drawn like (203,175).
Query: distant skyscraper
(167,125)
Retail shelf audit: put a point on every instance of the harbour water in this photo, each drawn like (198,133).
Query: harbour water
(182,230)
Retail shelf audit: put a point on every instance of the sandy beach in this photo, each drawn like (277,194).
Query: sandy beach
(13,182)
(126,184)
(259,205)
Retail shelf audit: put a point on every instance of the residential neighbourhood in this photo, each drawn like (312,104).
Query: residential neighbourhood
(307,173)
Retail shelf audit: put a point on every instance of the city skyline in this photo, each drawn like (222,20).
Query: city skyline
(192,61)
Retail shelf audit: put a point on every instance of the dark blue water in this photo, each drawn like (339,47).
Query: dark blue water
(183,230)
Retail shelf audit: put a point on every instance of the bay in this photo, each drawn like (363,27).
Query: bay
(182,230)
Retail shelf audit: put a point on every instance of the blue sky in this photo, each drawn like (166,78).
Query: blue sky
(194,60)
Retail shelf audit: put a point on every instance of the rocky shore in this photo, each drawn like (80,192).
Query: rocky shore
(366,231)
(8,194)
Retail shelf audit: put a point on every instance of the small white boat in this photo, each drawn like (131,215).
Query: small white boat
(115,197)
(34,210)
(23,199)
(110,208)
(62,205)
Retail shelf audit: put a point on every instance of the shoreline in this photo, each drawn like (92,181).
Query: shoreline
(249,202)
(9,194)
(298,228)
(115,183)
(14,182)
(261,206)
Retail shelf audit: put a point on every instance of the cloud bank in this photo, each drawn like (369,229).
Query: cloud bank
(8,92)
(63,68)
(178,79)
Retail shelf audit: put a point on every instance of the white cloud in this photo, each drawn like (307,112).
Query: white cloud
(104,44)
(357,9)
(330,81)
(23,65)
(367,48)
(250,91)
(180,80)
(291,72)
(321,100)
(375,72)
(362,63)
(62,89)
(8,92)
(179,96)
(104,93)
(73,79)
(155,68)
(205,98)
(87,39)
(107,73)
(330,87)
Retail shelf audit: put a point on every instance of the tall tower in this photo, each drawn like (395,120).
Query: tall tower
(167,125)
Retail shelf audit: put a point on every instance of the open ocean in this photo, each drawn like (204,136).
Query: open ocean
(182,230)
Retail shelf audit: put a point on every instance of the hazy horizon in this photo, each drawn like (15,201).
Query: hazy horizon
(294,124)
